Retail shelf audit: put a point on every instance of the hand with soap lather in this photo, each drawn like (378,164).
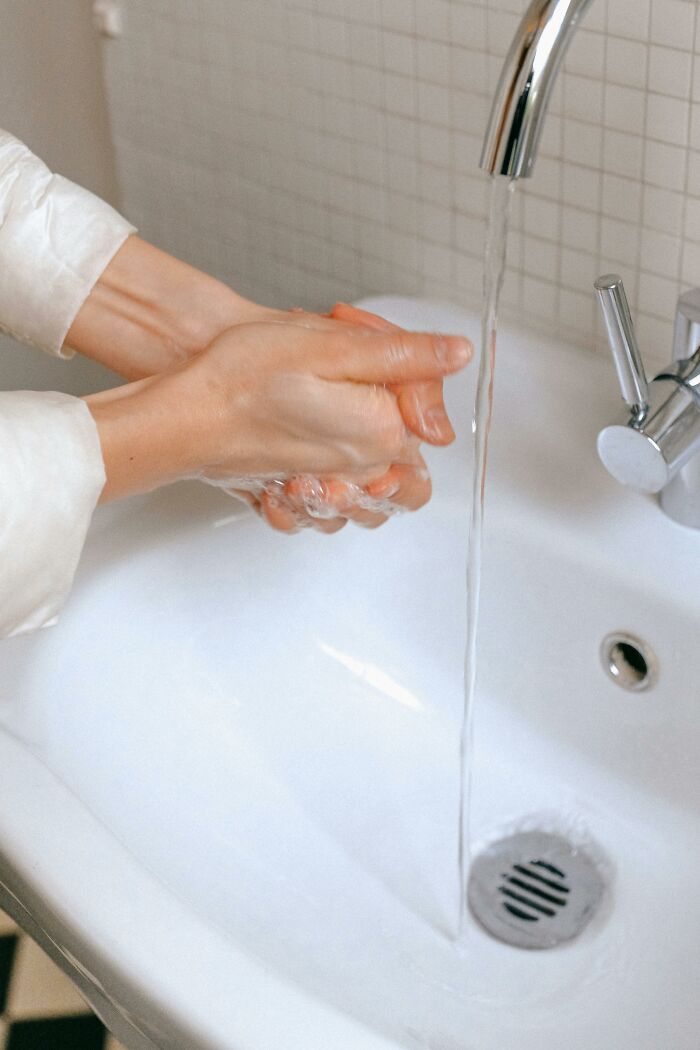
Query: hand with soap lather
(329,504)
(271,399)
(229,391)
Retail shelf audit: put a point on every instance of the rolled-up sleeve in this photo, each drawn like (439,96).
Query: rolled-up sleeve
(55,240)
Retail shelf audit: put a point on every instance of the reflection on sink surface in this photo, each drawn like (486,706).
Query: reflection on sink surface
(269,726)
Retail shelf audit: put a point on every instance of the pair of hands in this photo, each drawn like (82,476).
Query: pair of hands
(368,498)
(313,420)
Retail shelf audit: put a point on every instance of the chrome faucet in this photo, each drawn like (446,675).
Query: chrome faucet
(657,448)
(528,76)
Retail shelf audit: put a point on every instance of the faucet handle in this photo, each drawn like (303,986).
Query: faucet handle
(623,343)
(686,333)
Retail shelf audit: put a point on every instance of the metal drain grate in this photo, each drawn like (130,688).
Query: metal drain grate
(534,890)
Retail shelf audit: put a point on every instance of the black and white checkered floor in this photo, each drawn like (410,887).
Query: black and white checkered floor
(39,1007)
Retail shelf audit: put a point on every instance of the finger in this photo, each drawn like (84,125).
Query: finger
(359,506)
(283,517)
(354,315)
(421,404)
(296,316)
(278,514)
(423,409)
(367,356)
(323,500)
(352,502)
(410,486)
(329,525)
(292,504)
(366,520)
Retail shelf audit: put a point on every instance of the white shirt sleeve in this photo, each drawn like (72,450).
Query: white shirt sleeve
(55,240)
(51,477)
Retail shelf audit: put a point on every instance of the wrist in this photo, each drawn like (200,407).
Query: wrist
(144,439)
(150,311)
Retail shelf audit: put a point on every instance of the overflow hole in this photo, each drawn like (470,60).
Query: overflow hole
(629,662)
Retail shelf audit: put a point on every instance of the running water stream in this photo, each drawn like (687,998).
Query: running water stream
(494,268)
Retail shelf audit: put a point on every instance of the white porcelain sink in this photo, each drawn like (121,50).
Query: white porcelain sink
(230,775)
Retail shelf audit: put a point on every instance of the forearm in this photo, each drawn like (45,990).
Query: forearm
(149,311)
(56,239)
(74,276)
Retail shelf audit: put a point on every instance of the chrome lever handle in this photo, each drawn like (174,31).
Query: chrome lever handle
(686,333)
(623,343)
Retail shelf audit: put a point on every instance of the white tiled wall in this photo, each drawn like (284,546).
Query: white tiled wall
(309,150)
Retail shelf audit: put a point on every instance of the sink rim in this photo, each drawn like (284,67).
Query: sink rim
(149,974)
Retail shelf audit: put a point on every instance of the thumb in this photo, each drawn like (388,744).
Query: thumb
(422,405)
(368,356)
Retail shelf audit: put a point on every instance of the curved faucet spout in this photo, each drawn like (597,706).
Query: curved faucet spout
(529,72)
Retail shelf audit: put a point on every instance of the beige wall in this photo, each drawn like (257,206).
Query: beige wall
(52,97)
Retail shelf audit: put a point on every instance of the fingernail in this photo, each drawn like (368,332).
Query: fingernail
(453,350)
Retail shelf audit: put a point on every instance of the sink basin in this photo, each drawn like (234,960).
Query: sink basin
(230,774)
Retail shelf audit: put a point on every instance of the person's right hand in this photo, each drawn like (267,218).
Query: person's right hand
(328,504)
(271,400)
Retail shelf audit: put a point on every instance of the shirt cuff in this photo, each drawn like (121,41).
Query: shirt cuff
(56,239)
(51,477)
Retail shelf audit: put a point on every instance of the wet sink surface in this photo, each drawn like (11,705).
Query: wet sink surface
(270,727)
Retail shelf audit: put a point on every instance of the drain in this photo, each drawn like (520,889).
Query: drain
(534,890)
(629,662)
